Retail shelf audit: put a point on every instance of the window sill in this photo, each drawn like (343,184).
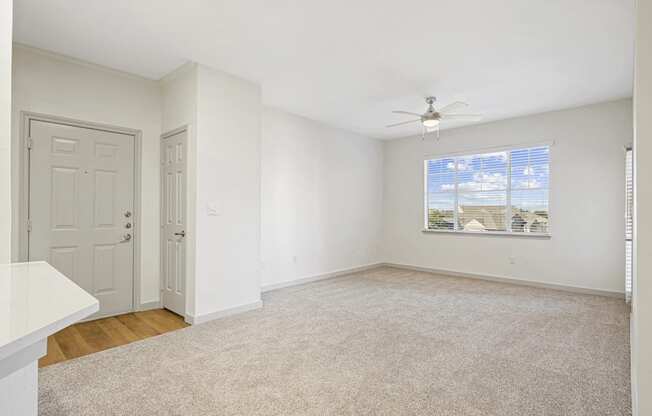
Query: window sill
(491,233)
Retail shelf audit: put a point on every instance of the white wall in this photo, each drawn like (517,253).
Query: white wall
(321,198)
(53,85)
(227,251)
(587,188)
(179,97)
(6,20)
(641,318)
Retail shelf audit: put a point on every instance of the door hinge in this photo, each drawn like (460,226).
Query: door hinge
(29,143)
(29,225)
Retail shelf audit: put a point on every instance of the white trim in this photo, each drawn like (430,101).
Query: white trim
(147,306)
(324,276)
(508,196)
(200,319)
(491,233)
(510,280)
(492,149)
(174,132)
(23,182)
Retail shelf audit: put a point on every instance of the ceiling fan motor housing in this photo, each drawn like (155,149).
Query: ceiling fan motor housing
(430,119)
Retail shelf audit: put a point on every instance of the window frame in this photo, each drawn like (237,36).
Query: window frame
(508,209)
(629,222)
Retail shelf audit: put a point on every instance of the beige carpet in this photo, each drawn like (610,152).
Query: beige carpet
(382,342)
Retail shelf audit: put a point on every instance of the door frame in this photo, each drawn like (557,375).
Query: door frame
(184,128)
(24,180)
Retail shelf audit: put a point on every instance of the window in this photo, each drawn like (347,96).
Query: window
(505,192)
(629,223)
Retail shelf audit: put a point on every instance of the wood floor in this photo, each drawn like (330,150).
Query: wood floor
(93,336)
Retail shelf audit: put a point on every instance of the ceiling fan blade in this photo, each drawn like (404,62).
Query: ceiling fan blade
(403,122)
(453,107)
(461,117)
(407,112)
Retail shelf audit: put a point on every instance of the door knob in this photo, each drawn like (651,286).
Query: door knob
(127,214)
(125,238)
(181,234)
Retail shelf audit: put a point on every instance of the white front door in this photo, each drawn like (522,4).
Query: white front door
(173,221)
(81,201)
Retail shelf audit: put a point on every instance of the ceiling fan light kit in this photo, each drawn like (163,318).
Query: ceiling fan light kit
(430,122)
(431,119)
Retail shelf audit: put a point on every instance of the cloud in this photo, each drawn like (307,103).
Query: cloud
(485,182)
(461,166)
(502,156)
(497,197)
(529,184)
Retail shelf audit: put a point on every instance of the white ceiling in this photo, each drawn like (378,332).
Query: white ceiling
(349,63)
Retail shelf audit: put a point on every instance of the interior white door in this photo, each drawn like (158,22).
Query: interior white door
(173,221)
(81,201)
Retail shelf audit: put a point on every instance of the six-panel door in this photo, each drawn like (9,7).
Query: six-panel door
(81,201)
(173,221)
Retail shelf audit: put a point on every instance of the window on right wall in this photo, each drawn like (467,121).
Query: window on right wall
(629,223)
(505,192)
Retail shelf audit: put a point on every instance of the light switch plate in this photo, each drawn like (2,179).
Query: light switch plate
(213,209)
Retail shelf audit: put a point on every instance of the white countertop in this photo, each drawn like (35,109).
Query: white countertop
(35,302)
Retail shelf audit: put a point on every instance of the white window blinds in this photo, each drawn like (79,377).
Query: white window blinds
(629,223)
(503,191)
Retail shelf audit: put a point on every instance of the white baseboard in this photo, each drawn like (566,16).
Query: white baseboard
(200,319)
(146,306)
(309,279)
(511,280)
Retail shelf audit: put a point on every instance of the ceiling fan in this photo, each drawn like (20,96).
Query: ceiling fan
(432,117)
